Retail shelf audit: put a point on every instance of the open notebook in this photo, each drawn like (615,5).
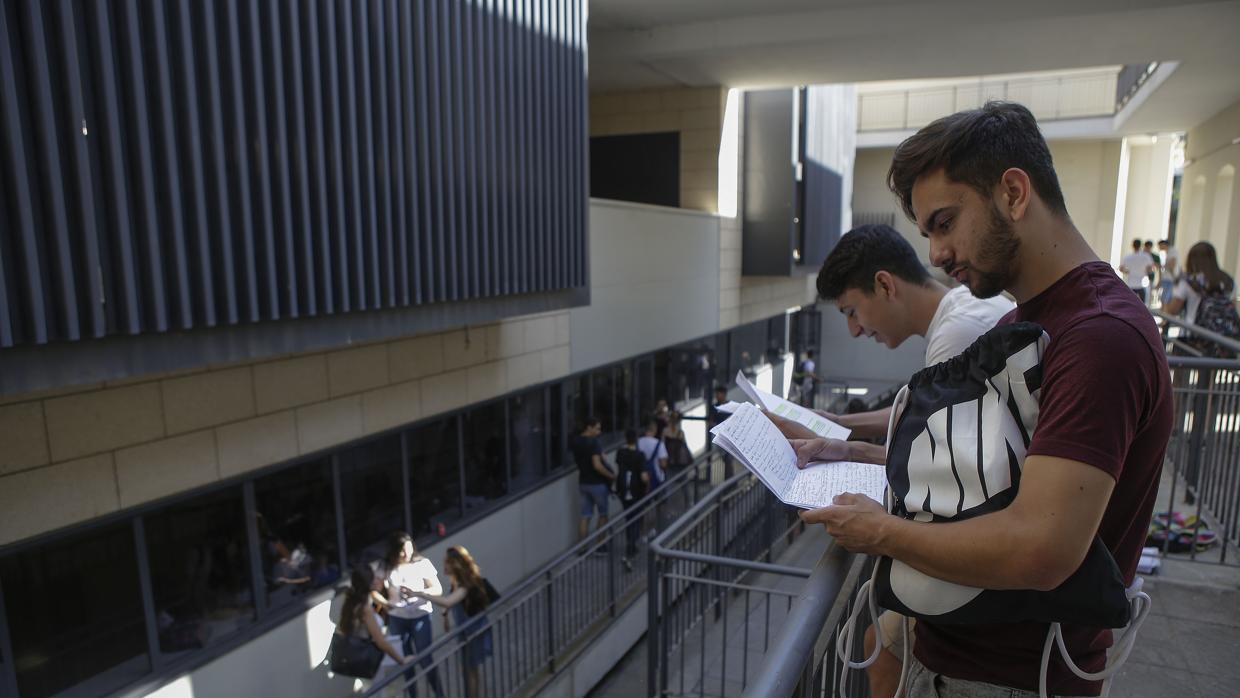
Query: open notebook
(790,410)
(755,441)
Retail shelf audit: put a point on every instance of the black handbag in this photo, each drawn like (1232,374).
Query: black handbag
(355,656)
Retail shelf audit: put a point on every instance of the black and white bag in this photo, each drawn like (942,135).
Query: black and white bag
(957,443)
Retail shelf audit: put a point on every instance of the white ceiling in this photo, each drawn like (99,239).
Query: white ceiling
(741,43)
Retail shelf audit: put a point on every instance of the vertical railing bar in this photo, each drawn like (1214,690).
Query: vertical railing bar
(355,237)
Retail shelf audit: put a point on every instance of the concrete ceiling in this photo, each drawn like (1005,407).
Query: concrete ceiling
(740,43)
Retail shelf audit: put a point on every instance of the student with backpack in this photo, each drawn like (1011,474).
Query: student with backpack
(1205,291)
(654,452)
(632,483)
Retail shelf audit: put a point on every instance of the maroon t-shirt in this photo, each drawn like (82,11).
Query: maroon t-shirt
(1106,402)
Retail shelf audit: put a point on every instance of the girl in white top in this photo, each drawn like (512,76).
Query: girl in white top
(1201,275)
(405,571)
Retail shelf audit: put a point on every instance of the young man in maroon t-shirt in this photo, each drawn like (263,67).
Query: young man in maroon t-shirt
(981,187)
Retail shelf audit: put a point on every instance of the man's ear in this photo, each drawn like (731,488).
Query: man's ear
(884,284)
(1015,192)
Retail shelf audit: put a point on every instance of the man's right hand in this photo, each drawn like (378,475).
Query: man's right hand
(819,449)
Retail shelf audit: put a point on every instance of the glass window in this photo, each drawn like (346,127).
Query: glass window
(662,383)
(749,347)
(625,409)
(776,338)
(577,402)
(527,414)
(371,497)
(75,614)
(645,398)
(486,448)
(434,476)
(604,404)
(296,518)
(559,431)
(200,571)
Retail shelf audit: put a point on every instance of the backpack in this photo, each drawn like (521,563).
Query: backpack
(1217,314)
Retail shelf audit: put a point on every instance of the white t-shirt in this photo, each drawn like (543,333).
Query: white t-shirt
(1136,263)
(807,381)
(647,445)
(1183,291)
(413,575)
(959,320)
(1171,262)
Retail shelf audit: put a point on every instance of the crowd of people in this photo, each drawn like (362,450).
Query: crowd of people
(641,465)
(391,603)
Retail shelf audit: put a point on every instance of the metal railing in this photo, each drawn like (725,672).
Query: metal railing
(698,567)
(803,662)
(1204,450)
(538,627)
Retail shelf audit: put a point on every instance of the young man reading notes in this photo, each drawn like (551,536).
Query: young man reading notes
(885,293)
(981,186)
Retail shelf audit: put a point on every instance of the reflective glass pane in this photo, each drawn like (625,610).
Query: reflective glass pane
(200,571)
(434,476)
(559,434)
(74,611)
(486,463)
(371,497)
(527,413)
(297,530)
(604,404)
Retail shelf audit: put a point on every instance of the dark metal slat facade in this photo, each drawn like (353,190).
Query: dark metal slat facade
(181,165)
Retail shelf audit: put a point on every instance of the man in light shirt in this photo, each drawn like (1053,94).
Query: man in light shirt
(881,287)
(1134,266)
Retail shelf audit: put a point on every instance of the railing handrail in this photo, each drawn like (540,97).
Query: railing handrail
(536,582)
(794,649)
(1221,340)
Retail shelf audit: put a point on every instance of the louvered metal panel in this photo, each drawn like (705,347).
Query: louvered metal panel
(179,164)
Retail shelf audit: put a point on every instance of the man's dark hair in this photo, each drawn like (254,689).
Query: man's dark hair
(1149,243)
(630,436)
(976,147)
(721,389)
(863,252)
(1136,244)
(809,353)
(589,422)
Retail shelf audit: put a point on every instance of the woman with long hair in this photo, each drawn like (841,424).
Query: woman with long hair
(1201,278)
(468,600)
(404,571)
(358,617)
(678,453)
(1206,291)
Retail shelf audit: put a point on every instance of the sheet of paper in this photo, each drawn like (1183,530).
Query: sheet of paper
(790,410)
(757,443)
(729,407)
(819,483)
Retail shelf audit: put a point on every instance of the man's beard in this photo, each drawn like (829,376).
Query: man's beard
(996,254)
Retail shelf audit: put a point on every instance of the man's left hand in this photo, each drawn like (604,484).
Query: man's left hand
(855,521)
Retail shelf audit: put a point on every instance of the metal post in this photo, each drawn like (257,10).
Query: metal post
(652,621)
(148,596)
(8,670)
(257,580)
(550,626)
(613,568)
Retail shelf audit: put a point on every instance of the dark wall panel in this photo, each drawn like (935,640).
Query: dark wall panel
(180,164)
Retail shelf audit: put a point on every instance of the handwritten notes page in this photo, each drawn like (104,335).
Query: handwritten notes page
(756,442)
(790,410)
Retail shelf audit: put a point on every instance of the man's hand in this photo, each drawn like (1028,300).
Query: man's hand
(855,521)
(817,449)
